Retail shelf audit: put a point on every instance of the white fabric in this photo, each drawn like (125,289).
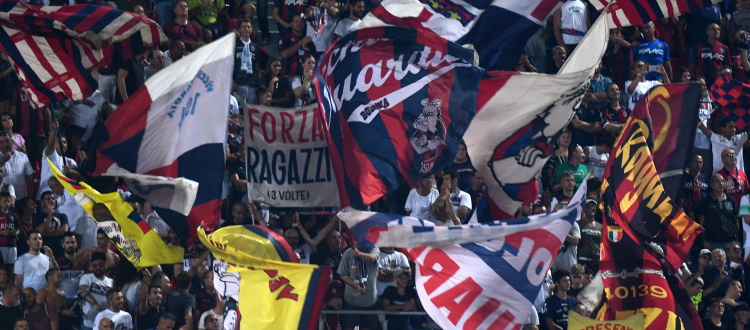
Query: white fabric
(234,107)
(719,143)
(132,295)
(573,17)
(640,91)
(71,282)
(121,319)
(304,251)
(98,290)
(745,210)
(461,198)
(67,205)
(246,62)
(33,268)
(418,206)
(596,162)
(156,222)
(568,256)
(16,170)
(11,189)
(296,82)
(345,26)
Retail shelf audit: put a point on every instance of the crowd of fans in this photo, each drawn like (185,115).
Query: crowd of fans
(60,272)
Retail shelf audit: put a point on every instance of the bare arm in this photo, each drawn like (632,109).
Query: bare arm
(705,130)
(556,28)
(278,19)
(121,88)
(572,240)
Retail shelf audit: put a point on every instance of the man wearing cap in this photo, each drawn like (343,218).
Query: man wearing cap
(591,235)
(94,287)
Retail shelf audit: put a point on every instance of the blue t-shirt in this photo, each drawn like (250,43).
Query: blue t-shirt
(558,309)
(652,53)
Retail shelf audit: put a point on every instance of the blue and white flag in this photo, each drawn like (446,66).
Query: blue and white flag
(498,29)
(474,276)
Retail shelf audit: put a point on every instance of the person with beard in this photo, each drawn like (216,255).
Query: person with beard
(150,308)
(94,287)
(119,317)
(103,246)
(350,23)
(41,316)
(31,267)
(70,268)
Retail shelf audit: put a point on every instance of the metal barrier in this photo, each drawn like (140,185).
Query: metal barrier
(380,313)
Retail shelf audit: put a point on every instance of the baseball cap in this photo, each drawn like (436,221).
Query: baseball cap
(705,251)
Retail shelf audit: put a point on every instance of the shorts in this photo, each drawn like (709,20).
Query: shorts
(364,320)
(8,254)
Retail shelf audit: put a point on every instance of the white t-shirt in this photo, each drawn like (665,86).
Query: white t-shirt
(719,143)
(98,289)
(596,162)
(395,260)
(418,206)
(33,268)
(461,198)
(296,82)
(640,91)
(573,18)
(345,26)
(121,319)
(704,112)
(305,251)
(16,170)
(568,254)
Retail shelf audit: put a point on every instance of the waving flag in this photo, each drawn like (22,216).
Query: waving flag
(176,126)
(508,146)
(672,112)
(471,22)
(474,276)
(279,293)
(733,97)
(646,236)
(637,12)
(130,233)
(54,48)
(398,102)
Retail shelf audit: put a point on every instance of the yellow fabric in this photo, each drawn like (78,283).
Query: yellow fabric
(579,322)
(141,245)
(272,293)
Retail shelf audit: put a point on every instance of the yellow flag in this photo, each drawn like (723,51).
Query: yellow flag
(273,294)
(579,322)
(130,233)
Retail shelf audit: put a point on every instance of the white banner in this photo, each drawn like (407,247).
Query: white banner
(287,159)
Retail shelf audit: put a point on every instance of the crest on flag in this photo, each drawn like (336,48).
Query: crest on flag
(614,234)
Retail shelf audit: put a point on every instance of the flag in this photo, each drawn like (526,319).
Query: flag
(162,192)
(176,126)
(672,112)
(288,163)
(398,103)
(639,12)
(54,49)
(129,232)
(273,294)
(733,98)
(473,276)
(518,119)
(646,236)
(471,22)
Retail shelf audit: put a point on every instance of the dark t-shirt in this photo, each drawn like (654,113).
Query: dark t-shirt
(391,293)
(280,89)
(176,303)
(325,257)
(9,316)
(558,309)
(133,81)
(465,173)
(58,220)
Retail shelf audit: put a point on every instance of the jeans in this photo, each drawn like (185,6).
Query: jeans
(246,93)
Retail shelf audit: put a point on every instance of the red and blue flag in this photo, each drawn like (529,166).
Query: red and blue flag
(733,98)
(54,49)
(396,101)
(176,126)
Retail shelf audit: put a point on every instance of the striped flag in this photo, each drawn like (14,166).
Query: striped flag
(53,49)
(176,126)
(471,22)
(473,276)
(639,12)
